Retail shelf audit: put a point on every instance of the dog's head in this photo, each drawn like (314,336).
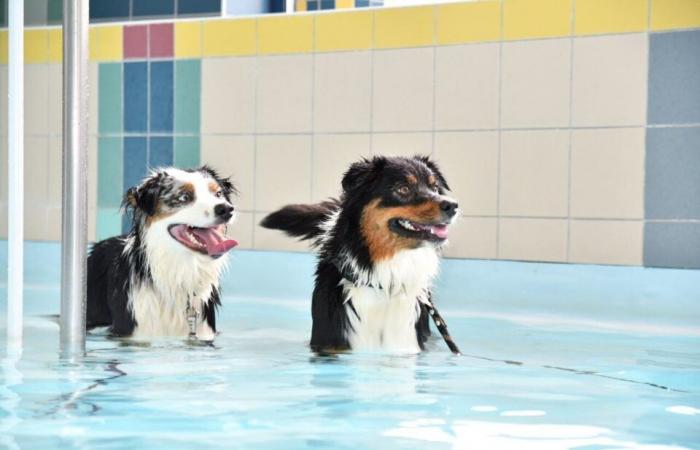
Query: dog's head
(189,209)
(402,201)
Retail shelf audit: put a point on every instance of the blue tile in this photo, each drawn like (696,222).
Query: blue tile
(672,188)
(200,6)
(162,96)
(327,4)
(135,97)
(674,83)
(109,9)
(672,244)
(135,167)
(153,7)
(160,152)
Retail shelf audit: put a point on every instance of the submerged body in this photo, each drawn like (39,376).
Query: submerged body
(162,279)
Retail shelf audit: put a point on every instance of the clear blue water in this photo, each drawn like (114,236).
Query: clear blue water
(556,357)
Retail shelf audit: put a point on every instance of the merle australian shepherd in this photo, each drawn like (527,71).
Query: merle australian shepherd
(379,248)
(162,278)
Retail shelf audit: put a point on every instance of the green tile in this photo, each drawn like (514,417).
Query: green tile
(186,151)
(110,169)
(55,11)
(187,94)
(109,223)
(110,98)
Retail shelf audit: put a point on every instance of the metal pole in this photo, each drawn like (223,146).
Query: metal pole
(15,147)
(74,219)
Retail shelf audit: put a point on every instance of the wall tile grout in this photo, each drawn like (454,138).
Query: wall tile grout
(571,122)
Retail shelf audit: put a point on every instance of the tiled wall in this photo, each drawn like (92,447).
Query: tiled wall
(569,130)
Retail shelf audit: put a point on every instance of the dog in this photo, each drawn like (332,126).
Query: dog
(162,278)
(379,247)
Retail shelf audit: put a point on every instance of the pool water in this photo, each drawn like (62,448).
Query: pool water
(550,362)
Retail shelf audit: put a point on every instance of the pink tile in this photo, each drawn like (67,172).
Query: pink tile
(135,41)
(161,40)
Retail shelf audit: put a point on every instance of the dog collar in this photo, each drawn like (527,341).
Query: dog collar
(351,276)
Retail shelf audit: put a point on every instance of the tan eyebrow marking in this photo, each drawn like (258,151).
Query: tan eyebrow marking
(432,180)
(412,179)
(214,187)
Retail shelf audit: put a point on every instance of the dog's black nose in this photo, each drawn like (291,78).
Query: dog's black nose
(449,207)
(223,210)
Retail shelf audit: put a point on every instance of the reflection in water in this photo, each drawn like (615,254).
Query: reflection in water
(9,399)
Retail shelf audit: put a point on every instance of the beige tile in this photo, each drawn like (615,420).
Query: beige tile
(35,223)
(283,171)
(53,224)
(473,237)
(55,173)
(242,230)
(3,220)
(333,154)
(403,90)
(36,93)
(535,83)
(92,225)
(264,239)
(93,83)
(36,171)
(55,98)
(607,173)
(402,144)
(466,86)
(342,91)
(3,100)
(233,156)
(284,93)
(3,165)
(533,239)
(610,80)
(469,161)
(606,242)
(228,95)
(534,173)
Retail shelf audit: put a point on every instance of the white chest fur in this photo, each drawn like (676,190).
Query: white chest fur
(385,318)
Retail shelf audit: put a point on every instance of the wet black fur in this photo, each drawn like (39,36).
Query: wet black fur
(111,271)
(363,182)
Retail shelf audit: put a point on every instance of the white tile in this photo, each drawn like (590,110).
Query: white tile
(342,91)
(55,162)
(283,171)
(36,94)
(233,156)
(3,220)
(333,154)
(402,144)
(265,239)
(533,239)
(469,161)
(607,173)
(536,83)
(473,237)
(284,93)
(466,86)
(36,171)
(606,242)
(610,80)
(3,100)
(36,223)
(534,173)
(228,95)
(242,230)
(55,99)
(403,90)
(92,174)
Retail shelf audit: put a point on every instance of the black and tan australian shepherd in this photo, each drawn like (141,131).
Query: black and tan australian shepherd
(379,247)
(162,278)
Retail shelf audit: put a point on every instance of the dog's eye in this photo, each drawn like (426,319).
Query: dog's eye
(184,197)
(435,187)
(219,194)
(403,190)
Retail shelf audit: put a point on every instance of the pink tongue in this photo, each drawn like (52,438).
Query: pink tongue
(216,244)
(440,231)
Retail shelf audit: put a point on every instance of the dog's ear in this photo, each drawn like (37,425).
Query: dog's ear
(432,165)
(362,172)
(144,197)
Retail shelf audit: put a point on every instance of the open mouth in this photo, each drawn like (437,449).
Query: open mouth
(207,241)
(436,232)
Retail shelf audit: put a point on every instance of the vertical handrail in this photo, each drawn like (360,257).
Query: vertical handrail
(15,196)
(74,200)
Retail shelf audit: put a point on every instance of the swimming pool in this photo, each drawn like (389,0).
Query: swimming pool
(556,356)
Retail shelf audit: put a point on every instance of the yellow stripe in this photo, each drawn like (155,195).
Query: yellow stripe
(286,34)
(55,45)
(300,5)
(106,43)
(344,4)
(188,39)
(36,46)
(523,19)
(344,31)
(3,47)
(610,16)
(229,37)
(674,14)
(404,27)
(469,22)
